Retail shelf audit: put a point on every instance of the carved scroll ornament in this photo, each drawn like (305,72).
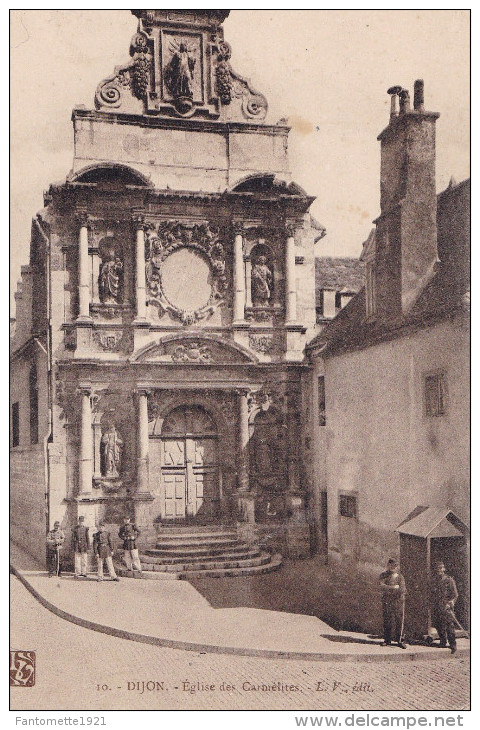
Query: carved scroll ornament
(169,236)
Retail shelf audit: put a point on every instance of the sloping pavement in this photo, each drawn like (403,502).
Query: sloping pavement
(174,614)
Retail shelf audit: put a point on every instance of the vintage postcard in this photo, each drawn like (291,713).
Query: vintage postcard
(239,409)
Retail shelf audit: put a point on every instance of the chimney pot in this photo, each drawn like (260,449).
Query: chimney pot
(418,100)
(404,101)
(394,91)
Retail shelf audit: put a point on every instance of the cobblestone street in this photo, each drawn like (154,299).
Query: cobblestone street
(80,669)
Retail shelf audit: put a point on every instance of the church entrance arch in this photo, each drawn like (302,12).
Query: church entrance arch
(187,453)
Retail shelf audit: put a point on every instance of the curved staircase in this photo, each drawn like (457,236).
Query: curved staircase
(192,552)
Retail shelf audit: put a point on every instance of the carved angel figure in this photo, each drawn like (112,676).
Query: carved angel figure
(110,278)
(179,70)
(111,451)
(262,281)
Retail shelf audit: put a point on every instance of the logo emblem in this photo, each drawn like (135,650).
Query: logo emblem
(22,668)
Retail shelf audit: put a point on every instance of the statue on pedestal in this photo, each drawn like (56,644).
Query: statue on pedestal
(110,278)
(262,283)
(111,452)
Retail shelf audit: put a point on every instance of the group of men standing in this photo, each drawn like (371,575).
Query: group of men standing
(444,595)
(102,548)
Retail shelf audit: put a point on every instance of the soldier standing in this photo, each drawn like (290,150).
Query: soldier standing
(444,597)
(55,540)
(129,533)
(81,546)
(392,584)
(103,549)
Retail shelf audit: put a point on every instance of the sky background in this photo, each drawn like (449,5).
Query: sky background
(327,71)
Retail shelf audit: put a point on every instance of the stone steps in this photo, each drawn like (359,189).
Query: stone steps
(214,564)
(274,563)
(149,556)
(189,552)
(200,551)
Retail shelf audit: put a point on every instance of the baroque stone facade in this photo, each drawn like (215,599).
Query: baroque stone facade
(179,313)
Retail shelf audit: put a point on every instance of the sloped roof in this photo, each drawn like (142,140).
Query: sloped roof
(339,274)
(433,522)
(443,295)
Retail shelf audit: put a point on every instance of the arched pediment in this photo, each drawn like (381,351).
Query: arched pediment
(267,183)
(109,173)
(194,349)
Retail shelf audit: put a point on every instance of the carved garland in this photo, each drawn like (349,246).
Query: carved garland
(230,84)
(169,236)
(134,76)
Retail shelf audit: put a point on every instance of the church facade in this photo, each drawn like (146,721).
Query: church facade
(172,278)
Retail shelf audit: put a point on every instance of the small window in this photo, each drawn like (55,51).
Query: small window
(322,420)
(435,394)
(33,406)
(370,290)
(348,506)
(15,424)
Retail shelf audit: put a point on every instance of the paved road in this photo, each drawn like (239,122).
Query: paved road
(79,669)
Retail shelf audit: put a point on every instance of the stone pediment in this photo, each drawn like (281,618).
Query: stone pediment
(180,67)
(194,350)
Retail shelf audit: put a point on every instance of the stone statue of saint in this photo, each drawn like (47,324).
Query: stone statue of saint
(111,448)
(262,282)
(179,70)
(110,278)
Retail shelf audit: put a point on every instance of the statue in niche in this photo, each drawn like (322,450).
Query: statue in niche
(263,457)
(262,283)
(110,277)
(179,70)
(111,452)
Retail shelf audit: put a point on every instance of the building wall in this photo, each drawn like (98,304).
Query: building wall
(380,445)
(27,460)
(211,159)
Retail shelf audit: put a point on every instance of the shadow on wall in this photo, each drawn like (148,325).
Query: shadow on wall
(337,594)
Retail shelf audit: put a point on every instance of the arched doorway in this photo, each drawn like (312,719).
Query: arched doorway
(189,465)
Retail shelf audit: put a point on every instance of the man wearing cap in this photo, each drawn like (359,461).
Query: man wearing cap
(81,546)
(55,540)
(444,597)
(103,549)
(129,533)
(392,585)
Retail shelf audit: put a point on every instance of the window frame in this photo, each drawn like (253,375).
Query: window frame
(344,495)
(15,411)
(441,404)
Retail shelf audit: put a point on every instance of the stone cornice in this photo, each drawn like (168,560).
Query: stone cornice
(210,125)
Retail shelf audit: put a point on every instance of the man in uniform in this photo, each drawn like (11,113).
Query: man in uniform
(444,597)
(55,540)
(392,585)
(81,546)
(103,549)
(129,533)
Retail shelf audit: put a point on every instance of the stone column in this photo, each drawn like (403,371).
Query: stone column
(290,283)
(248,280)
(142,441)
(243,438)
(140,284)
(238,276)
(85,459)
(83,269)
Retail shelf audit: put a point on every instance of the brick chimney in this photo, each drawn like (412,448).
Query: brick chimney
(406,235)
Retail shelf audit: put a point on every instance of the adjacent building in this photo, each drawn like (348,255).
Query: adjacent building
(390,418)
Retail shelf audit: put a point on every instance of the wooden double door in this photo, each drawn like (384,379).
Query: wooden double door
(186,466)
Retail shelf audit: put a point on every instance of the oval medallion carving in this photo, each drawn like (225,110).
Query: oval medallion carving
(186,280)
